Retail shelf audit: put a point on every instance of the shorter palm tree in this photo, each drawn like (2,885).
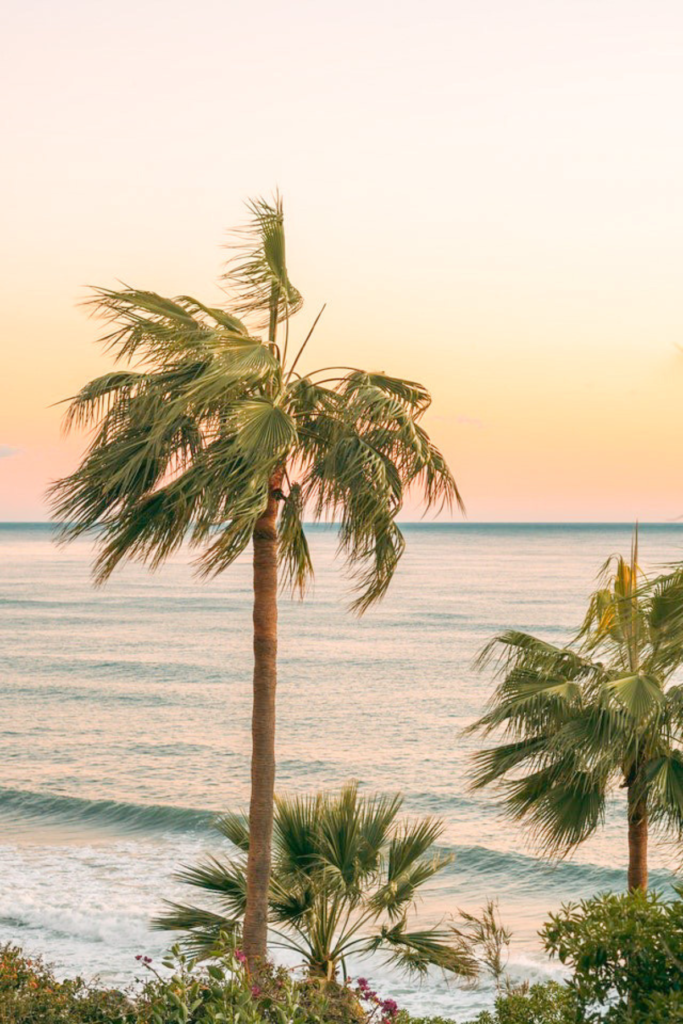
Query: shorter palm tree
(346,875)
(599,714)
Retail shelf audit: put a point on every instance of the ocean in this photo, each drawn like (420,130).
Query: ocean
(124,725)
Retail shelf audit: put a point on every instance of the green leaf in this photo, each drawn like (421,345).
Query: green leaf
(263,431)
(295,558)
(664,781)
(235,828)
(640,695)
(258,272)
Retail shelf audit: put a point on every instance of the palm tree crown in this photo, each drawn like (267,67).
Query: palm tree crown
(190,442)
(600,713)
(346,874)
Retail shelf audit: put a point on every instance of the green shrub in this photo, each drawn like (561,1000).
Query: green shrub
(405,1018)
(223,991)
(550,1003)
(626,956)
(186,993)
(30,994)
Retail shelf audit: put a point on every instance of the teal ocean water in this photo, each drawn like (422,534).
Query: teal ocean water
(124,725)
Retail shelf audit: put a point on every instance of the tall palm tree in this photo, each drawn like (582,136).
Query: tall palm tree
(346,874)
(215,434)
(598,714)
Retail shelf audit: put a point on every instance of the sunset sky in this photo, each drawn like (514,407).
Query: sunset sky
(488,195)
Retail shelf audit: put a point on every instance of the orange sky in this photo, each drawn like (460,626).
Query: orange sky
(488,196)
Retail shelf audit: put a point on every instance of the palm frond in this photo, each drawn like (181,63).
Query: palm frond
(264,432)
(291,904)
(514,648)
(94,401)
(295,557)
(258,271)
(663,785)
(225,879)
(340,839)
(410,843)
(184,917)
(561,805)
(378,396)
(402,888)
(203,929)
(234,536)
(296,835)
(495,763)
(150,326)
(419,950)
(640,695)
(235,828)
(377,816)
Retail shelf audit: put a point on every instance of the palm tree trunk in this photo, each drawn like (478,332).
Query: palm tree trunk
(637,841)
(265,543)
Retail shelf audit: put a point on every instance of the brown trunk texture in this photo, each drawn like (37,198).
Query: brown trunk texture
(265,544)
(637,842)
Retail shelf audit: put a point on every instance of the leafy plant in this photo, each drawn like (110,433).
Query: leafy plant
(488,938)
(180,991)
(215,434)
(226,990)
(221,991)
(626,955)
(551,1003)
(597,715)
(30,994)
(346,874)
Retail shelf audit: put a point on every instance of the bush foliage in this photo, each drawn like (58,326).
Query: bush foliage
(624,952)
(30,994)
(626,956)
(186,994)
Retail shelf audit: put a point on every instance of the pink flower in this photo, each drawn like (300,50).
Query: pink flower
(240,957)
(255,991)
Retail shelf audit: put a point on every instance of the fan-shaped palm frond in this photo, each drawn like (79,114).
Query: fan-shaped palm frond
(203,927)
(416,951)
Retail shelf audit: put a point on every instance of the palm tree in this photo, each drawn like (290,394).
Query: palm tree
(216,435)
(598,714)
(345,875)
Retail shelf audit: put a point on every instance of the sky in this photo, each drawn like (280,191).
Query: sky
(488,196)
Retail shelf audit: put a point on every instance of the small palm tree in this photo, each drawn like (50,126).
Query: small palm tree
(345,876)
(216,435)
(599,714)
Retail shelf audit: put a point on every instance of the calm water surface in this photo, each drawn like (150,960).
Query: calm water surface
(124,722)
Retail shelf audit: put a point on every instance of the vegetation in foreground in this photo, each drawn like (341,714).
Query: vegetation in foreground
(218,435)
(624,955)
